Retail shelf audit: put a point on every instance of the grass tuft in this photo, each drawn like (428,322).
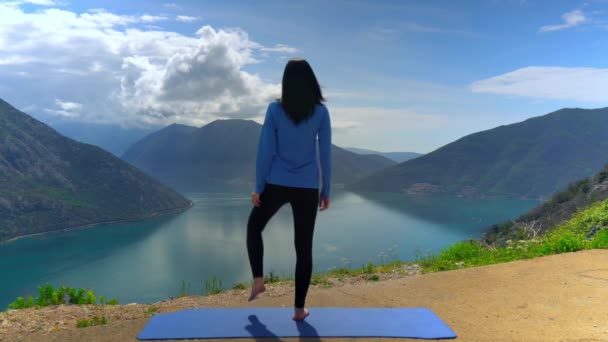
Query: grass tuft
(213,286)
(151,311)
(272,278)
(83,323)
(184,289)
(239,286)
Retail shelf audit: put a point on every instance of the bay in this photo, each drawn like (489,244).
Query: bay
(148,261)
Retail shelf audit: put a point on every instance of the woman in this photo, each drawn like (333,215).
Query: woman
(287,172)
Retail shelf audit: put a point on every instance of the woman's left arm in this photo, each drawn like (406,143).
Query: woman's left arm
(267,148)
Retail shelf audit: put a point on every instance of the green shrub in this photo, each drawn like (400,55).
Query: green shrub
(48,295)
(461,251)
(369,268)
(341,271)
(22,303)
(470,252)
(373,277)
(83,323)
(569,243)
(320,279)
(112,301)
(600,240)
(239,286)
(77,296)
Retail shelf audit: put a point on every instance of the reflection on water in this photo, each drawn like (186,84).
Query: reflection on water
(147,261)
(456,212)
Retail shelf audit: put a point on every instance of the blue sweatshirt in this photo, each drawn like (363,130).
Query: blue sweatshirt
(287,154)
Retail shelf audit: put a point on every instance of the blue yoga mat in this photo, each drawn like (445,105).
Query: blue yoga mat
(276,322)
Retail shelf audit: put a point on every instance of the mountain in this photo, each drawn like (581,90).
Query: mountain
(399,157)
(221,156)
(51,182)
(533,158)
(112,138)
(557,209)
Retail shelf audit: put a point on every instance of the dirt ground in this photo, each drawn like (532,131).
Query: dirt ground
(556,298)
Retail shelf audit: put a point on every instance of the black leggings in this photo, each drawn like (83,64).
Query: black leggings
(304,202)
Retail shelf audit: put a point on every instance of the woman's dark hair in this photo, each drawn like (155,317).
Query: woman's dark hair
(300,90)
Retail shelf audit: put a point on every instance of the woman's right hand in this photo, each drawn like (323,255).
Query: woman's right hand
(255,199)
(323,204)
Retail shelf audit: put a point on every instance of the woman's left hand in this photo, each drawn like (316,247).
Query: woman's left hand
(255,199)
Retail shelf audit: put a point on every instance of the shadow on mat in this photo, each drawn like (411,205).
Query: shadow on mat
(308,333)
(260,333)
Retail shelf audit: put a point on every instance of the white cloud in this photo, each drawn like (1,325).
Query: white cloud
(204,78)
(380,127)
(146,18)
(171,5)
(66,109)
(96,67)
(60,112)
(123,74)
(280,48)
(415,27)
(16,60)
(578,84)
(69,106)
(381,34)
(33,2)
(397,119)
(186,18)
(571,19)
(385,34)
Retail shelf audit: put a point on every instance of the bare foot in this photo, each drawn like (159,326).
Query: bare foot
(257,288)
(301,314)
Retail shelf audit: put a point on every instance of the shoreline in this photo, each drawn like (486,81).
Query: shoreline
(91,225)
(449,194)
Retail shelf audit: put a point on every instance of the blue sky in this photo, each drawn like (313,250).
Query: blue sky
(398,75)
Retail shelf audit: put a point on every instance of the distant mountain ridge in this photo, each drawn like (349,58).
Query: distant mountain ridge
(112,138)
(221,155)
(533,159)
(399,157)
(50,182)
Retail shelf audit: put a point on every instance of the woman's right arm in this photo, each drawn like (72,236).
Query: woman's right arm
(325,154)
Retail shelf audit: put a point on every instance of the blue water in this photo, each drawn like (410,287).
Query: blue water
(147,261)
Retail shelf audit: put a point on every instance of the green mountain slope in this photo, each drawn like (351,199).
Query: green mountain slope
(551,213)
(533,158)
(221,156)
(50,182)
